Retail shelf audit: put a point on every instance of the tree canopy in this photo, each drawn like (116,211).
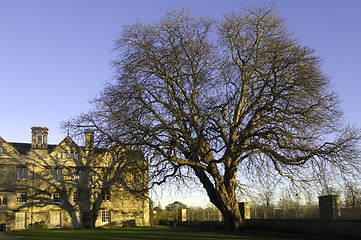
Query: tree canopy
(175,206)
(212,98)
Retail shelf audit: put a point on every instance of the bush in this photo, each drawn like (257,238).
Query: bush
(42,225)
(112,225)
(154,221)
(129,223)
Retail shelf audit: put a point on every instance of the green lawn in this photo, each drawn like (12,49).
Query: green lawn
(158,233)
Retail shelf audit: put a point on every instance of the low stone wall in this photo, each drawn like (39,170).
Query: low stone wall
(345,228)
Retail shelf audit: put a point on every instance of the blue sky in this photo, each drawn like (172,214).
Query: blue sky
(55,55)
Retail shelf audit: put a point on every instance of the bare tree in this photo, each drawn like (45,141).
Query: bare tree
(353,199)
(210,99)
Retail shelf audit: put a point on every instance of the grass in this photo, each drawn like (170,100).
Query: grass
(159,233)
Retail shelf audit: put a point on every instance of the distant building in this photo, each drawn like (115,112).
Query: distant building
(67,185)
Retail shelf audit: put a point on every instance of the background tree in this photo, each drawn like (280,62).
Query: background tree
(352,195)
(210,99)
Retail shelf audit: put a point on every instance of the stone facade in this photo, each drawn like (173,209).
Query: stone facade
(71,186)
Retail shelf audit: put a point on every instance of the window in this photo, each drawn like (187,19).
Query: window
(76,155)
(77,174)
(105,216)
(63,155)
(21,196)
(106,195)
(21,173)
(119,157)
(56,196)
(2,151)
(71,155)
(4,201)
(77,196)
(56,173)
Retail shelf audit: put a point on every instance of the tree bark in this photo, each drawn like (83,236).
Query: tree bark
(224,198)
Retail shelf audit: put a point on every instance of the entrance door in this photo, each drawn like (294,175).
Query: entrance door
(76,219)
(20,220)
(55,219)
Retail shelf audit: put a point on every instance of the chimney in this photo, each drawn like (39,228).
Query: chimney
(89,140)
(39,137)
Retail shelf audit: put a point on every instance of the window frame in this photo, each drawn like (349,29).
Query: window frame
(106,195)
(21,196)
(77,196)
(105,216)
(56,174)
(56,196)
(77,174)
(22,173)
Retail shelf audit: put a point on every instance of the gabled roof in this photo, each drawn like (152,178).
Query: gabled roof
(67,141)
(3,142)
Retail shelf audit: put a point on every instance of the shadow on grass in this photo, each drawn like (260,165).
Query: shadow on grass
(160,233)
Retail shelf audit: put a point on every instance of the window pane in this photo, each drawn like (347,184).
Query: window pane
(53,173)
(25,173)
(59,174)
(56,196)
(21,196)
(19,175)
(105,216)
(75,196)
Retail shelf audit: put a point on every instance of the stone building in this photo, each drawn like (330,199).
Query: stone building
(70,186)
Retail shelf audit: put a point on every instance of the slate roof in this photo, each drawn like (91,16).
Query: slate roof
(24,148)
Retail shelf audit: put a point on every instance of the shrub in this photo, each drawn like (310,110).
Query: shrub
(112,225)
(41,225)
(129,223)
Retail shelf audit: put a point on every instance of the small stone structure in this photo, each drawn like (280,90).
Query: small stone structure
(245,210)
(329,207)
(182,215)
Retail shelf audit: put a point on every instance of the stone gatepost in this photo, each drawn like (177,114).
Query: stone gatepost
(182,215)
(329,207)
(245,210)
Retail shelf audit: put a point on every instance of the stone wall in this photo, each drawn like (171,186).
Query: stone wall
(344,228)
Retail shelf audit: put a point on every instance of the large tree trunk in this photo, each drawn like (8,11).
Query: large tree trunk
(223,196)
(232,219)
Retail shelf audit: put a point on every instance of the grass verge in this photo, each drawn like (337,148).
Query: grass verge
(159,233)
